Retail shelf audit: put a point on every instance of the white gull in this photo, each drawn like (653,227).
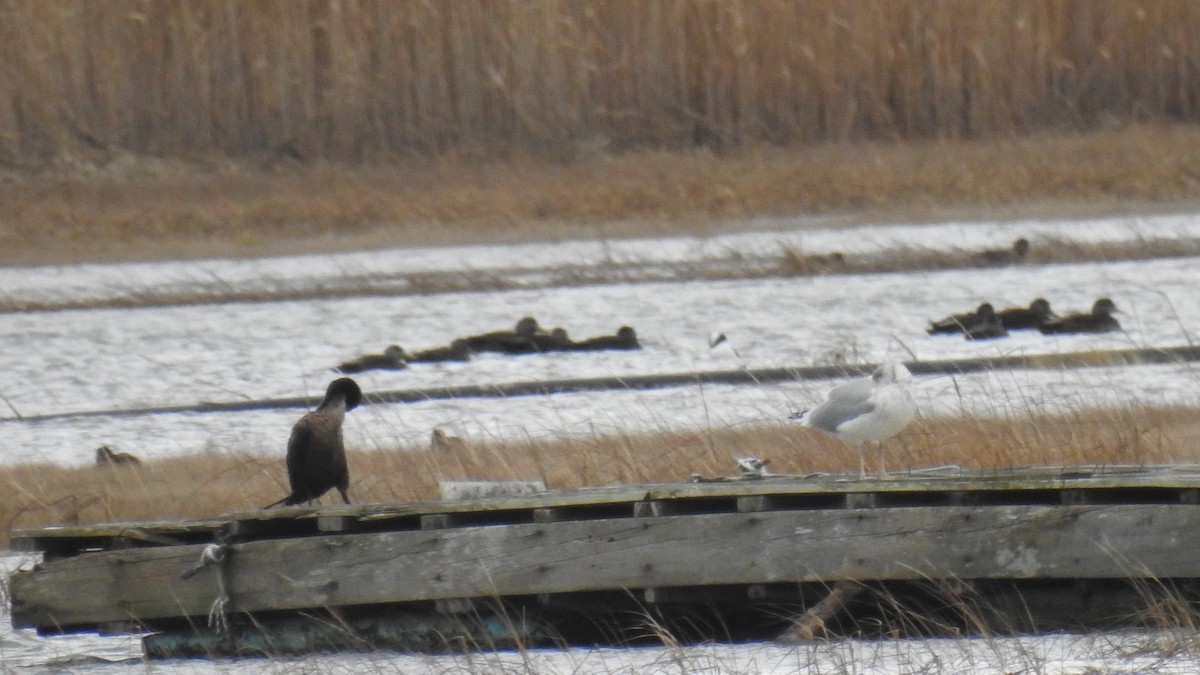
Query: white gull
(869,409)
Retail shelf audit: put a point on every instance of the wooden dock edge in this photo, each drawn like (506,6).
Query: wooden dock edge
(753,552)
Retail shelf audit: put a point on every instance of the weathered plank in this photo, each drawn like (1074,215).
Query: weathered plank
(1013,481)
(1007,542)
(1106,484)
(69,540)
(460,490)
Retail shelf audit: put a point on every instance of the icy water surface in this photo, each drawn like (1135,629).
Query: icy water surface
(79,282)
(1139,653)
(112,359)
(106,359)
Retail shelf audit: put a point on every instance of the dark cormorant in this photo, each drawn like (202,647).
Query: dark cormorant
(316,456)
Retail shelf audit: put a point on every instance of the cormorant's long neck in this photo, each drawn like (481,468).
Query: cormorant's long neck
(335,402)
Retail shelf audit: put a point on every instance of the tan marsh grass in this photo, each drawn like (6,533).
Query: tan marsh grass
(139,207)
(208,485)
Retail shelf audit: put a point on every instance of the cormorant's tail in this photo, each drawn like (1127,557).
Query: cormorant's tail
(292,500)
(286,501)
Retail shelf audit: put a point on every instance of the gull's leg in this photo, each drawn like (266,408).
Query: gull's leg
(862,462)
(882,461)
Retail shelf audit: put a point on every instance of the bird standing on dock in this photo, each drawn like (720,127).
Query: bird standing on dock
(316,456)
(870,409)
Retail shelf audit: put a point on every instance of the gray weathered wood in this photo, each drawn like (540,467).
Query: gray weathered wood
(38,539)
(1014,542)
(971,485)
(862,500)
(457,490)
(336,523)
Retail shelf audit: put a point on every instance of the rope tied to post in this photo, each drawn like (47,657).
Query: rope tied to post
(214,555)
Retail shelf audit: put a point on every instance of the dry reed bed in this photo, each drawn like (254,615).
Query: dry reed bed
(145,208)
(206,486)
(368,78)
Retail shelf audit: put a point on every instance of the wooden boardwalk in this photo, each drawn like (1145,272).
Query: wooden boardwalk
(765,545)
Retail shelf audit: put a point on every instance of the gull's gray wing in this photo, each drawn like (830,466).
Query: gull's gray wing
(845,402)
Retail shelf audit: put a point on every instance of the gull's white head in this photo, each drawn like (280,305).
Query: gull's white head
(890,372)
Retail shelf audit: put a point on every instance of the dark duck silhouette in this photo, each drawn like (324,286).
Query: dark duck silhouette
(554,341)
(1004,256)
(625,338)
(316,456)
(962,323)
(515,341)
(392,358)
(458,350)
(987,326)
(1099,320)
(1027,318)
(105,456)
